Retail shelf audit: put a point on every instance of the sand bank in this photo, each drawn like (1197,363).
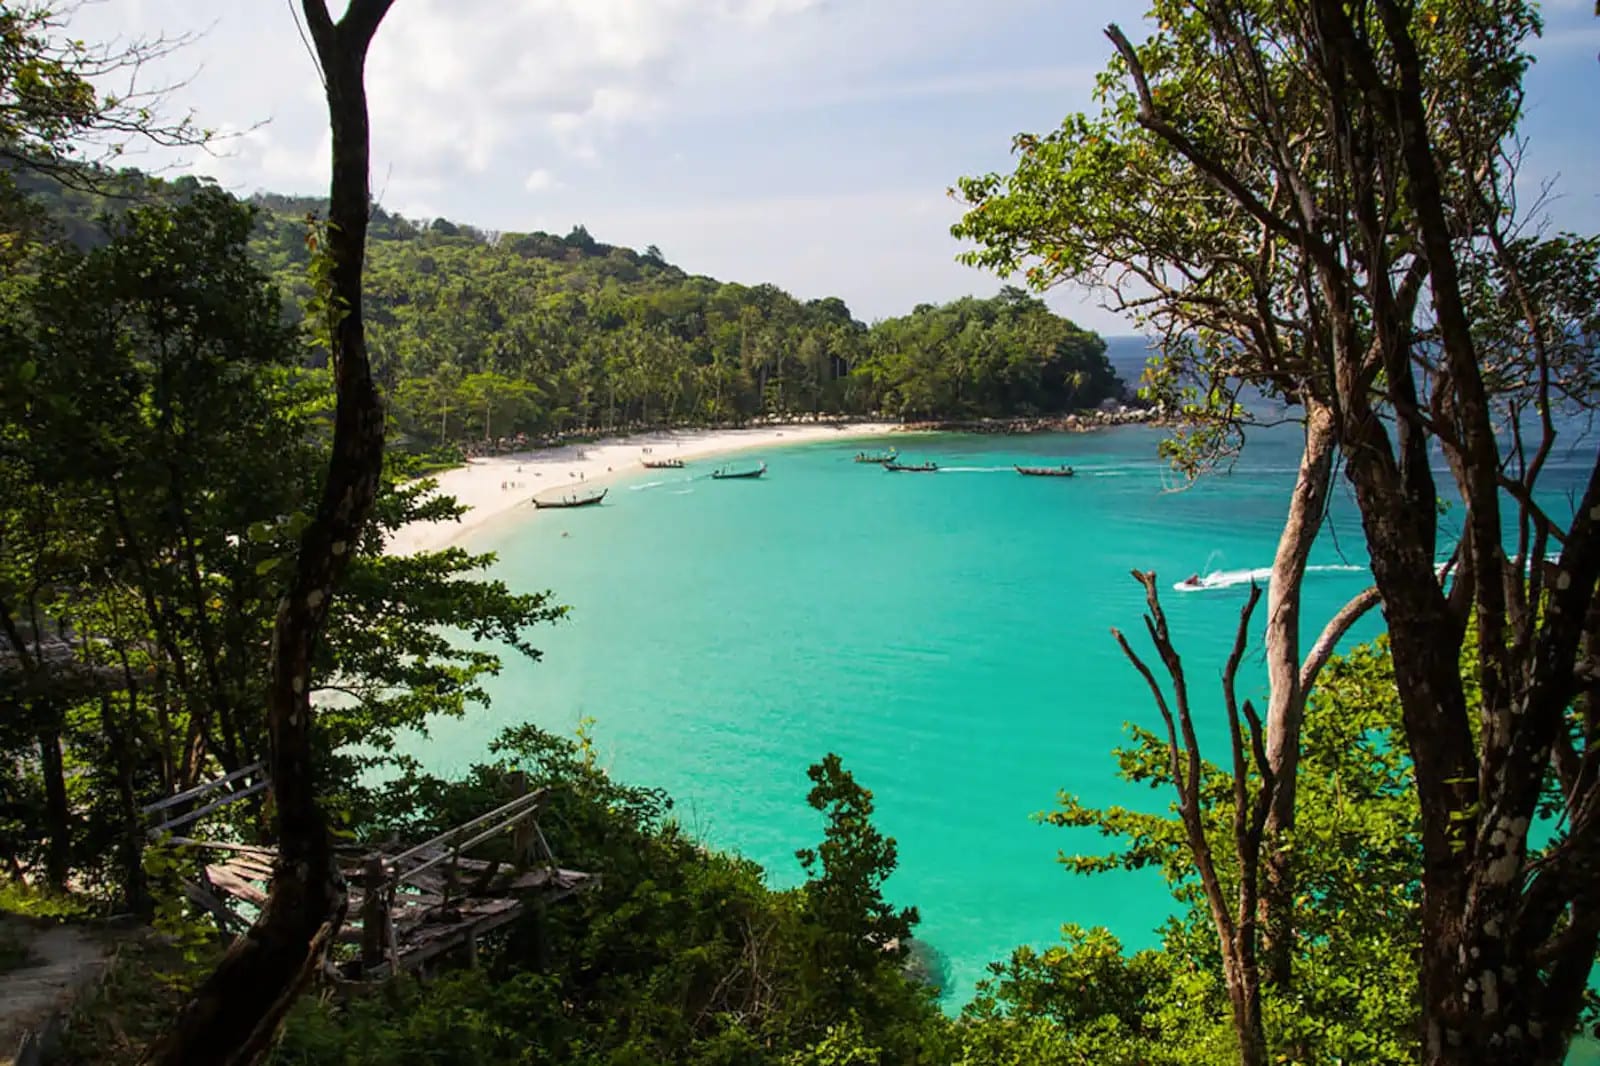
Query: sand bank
(496,486)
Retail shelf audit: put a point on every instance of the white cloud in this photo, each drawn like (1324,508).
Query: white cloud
(541,180)
(253,159)
(453,83)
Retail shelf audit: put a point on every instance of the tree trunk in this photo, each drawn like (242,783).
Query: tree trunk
(236,1014)
(1286,701)
(1434,712)
(1235,922)
(57,815)
(135,888)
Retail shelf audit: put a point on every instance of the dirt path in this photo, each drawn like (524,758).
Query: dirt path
(65,957)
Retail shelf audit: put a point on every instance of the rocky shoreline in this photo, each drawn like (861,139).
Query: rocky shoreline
(1076,422)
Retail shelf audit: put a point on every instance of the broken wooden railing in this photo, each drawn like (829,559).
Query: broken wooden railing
(407,908)
(235,787)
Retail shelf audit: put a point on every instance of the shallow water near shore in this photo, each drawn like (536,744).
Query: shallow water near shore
(946,633)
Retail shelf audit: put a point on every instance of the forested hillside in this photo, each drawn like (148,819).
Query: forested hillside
(478,335)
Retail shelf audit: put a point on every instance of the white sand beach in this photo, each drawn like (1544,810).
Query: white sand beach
(494,487)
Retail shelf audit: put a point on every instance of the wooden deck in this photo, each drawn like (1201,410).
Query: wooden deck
(407,908)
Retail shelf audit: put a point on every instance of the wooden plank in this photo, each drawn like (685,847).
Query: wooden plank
(252,866)
(226,845)
(430,925)
(428,882)
(240,888)
(205,897)
(434,939)
(437,855)
(514,810)
(201,812)
(201,789)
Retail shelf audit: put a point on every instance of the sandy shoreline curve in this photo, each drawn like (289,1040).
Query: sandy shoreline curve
(496,486)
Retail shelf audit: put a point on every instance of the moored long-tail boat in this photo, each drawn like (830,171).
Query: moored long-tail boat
(663,464)
(1045,471)
(903,468)
(570,498)
(729,474)
(876,457)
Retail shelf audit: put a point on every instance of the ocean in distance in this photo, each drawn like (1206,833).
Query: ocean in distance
(947,634)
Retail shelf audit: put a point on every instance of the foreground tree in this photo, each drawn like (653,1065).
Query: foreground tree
(1357,848)
(160,443)
(238,1011)
(1336,162)
(53,117)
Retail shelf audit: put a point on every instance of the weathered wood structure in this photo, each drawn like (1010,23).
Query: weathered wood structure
(407,908)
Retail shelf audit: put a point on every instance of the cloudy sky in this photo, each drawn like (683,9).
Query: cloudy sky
(807,143)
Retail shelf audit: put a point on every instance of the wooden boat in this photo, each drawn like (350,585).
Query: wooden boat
(1045,471)
(920,468)
(876,457)
(663,464)
(572,498)
(727,474)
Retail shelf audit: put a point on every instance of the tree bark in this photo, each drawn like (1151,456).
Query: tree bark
(135,887)
(236,1014)
(57,814)
(1507,936)
(1286,699)
(1236,924)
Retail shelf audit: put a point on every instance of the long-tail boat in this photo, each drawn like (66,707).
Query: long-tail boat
(902,468)
(663,464)
(876,457)
(1045,471)
(729,474)
(571,499)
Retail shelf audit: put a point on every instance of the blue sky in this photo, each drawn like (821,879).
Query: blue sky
(807,143)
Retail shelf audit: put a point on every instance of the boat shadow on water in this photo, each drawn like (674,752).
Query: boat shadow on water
(568,498)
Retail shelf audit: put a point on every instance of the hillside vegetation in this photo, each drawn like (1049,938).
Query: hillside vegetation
(479,335)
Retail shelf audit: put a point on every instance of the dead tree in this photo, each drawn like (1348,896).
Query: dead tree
(1254,785)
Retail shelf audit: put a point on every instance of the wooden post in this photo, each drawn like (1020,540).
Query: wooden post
(375,916)
(452,876)
(522,837)
(391,943)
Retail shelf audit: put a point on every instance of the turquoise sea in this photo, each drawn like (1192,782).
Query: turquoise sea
(946,633)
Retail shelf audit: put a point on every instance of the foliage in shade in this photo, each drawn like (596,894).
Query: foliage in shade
(160,438)
(679,955)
